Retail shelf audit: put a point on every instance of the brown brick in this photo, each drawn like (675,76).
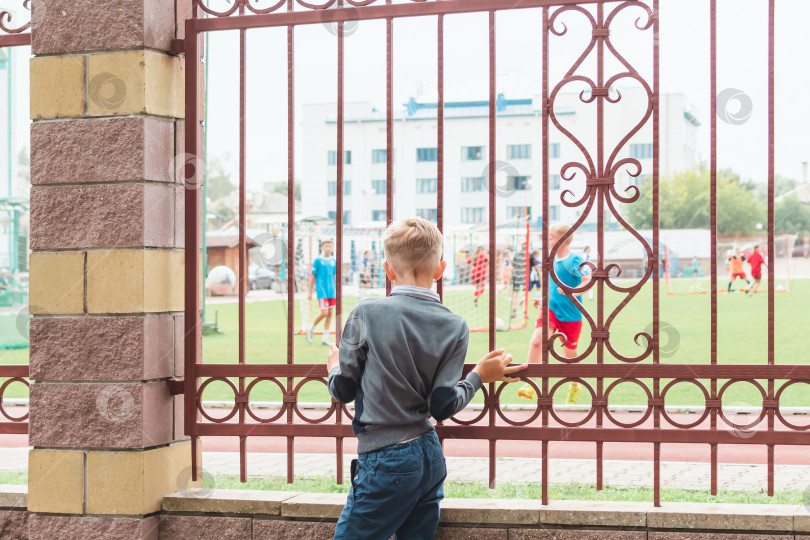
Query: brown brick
(269,529)
(121,348)
(120,415)
(102,216)
(204,528)
(715,536)
(86,25)
(180,218)
(14,524)
(574,534)
(102,150)
(467,533)
(43,527)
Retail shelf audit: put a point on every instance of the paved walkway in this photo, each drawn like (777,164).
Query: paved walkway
(684,475)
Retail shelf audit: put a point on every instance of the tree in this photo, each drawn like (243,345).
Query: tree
(218,178)
(684,202)
(791,216)
(282,187)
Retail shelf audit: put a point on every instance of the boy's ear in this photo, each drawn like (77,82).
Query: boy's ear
(437,275)
(389,271)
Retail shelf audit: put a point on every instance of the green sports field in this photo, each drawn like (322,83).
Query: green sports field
(742,339)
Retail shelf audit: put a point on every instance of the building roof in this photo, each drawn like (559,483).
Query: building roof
(218,240)
(801,192)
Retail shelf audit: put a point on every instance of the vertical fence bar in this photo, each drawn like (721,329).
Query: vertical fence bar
(492,240)
(600,232)
(656,255)
(440,141)
(193,328)
(339,212)
(713,228)
(290,234)
(546,404)
(389,128)
(340,162)
(242,234)
(771,220)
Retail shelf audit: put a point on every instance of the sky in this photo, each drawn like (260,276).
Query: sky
(684,41)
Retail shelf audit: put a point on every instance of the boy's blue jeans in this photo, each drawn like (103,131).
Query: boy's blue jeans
(397,490)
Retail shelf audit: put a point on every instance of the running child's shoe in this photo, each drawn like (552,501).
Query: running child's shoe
(574,390)
(526,391)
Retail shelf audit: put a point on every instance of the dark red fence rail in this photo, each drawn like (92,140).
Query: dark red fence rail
(13,33)
(598,167)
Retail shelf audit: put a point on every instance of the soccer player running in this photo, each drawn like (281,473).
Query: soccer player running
(563,315)
(479,271)
(323,277)
(757,261)
(736,268)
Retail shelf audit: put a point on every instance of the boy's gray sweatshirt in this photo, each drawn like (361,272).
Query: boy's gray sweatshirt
(400,360)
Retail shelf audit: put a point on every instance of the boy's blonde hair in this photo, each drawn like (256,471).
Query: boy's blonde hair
(413,246)
(559,229)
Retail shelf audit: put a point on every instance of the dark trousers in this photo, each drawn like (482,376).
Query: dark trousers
(397,490)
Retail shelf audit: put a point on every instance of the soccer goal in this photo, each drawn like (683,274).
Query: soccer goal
(467,284)
(733,256)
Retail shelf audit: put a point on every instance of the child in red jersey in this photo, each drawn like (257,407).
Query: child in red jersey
(757,261)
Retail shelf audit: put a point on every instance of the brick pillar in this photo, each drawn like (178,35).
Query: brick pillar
(106,268)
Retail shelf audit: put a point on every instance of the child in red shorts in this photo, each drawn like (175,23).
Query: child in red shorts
(757,262)
(563,315)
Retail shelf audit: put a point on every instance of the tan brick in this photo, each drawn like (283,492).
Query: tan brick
(164,272)
(135,82)
(134,281)
(56,481)
(57,282)
(135,482)
(57,86)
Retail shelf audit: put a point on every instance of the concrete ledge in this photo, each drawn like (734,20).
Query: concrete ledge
(723,517)
(518,514)
(13,497)
(227,501)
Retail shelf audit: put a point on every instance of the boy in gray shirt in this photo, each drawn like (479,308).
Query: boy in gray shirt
(400,359)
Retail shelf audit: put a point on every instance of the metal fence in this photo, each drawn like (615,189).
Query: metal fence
(13,34)
(599,167)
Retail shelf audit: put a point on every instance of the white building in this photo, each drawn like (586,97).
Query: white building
(518,155)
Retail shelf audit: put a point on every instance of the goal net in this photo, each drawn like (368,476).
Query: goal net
(692,276)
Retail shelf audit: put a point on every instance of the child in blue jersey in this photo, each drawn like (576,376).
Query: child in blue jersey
(323,278)
(563,315)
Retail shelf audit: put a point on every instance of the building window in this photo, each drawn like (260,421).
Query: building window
(641,151)
(427,213)
(472,215)
(554,150)
(516,212)
(347,216)
(332,188)
(470,184)
(426,185)
(472,153)
(378,156)
(518,151)
(426,154)
(554,210)
(517,183)
(378,215)
(332,157)
(555,181)
(379,187)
